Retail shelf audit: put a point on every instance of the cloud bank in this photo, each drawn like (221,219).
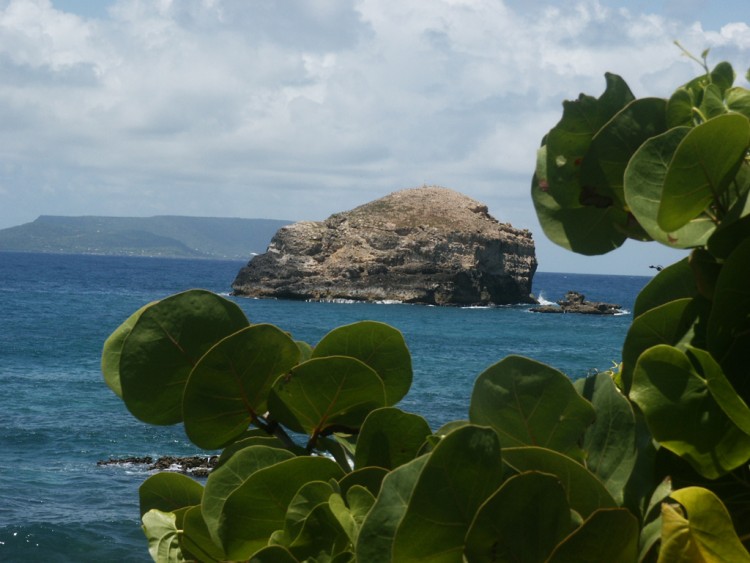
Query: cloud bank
(299,109)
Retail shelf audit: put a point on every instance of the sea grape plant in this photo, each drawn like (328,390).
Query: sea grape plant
(646,462)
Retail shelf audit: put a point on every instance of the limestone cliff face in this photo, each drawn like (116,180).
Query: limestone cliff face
(424,245)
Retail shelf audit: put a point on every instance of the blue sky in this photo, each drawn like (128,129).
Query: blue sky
(302,108)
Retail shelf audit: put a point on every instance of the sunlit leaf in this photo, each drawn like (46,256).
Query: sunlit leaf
(376,344)
(166,341)
(228,388)
(530,403)
(702,167)
(163,537)
(644,180)
(169,491)
(327,392)
(705,533)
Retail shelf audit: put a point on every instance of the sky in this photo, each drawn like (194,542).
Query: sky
(297,109)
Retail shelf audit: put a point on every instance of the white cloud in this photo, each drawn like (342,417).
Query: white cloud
(299,109)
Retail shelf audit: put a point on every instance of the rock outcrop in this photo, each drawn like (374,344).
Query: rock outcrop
(426,245)
(575,302)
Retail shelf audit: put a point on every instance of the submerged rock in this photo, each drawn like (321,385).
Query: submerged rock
(426,245)
(575,302)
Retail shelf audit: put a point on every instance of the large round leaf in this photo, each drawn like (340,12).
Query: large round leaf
(326,393)
(229,386)
(585,492)
(704,534)
(569,140)
(673,282)
(644,185)
(196,541)
(614,144)
(163,346)
(225,480)
(607,535)
(610,442)
(378,345)
(722,390)
(587,230)
(375,541)
(168,492)
(729,323)
(703,165)
(163,536)
(530,403)
(390,437)
(462,471)
(112,350)
(671,323)
(522,521)
(683,416)
(257,508)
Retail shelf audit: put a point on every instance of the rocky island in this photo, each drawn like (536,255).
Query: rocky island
(427,245)
(575,302)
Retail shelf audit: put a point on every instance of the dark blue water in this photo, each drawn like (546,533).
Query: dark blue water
(57,417)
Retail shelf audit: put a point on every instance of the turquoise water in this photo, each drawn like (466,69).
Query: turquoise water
(58,418)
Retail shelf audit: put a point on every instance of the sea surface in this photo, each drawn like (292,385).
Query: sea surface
(58,418)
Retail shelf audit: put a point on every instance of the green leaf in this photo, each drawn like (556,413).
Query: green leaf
(321,534)
(112,350)
(168,492)
(680,109)
(378,530)
(722,390)
(738,100)
(309,496)
(228,388)
(673,282)
(713,102)
(390,437)
(163,537)
(529,403)
(584,491)
(585,230)
(369,478)
(273,554)
(671,323)
(569,140)
(683,416)
(522,521)
(462,471)
(196,541)
(260,439)
(607,535)
(326,393)
(613,145)
(225,480)
(703,165)
(610,442)
(164,344)
(360,501)
(644,180)
(705,533)
(378,345)
(257,508)
(729,322)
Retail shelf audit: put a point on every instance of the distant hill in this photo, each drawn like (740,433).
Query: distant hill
(165,235)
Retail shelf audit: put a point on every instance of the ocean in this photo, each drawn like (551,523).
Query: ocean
(58,418)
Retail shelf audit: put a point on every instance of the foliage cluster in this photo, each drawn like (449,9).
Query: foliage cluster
(648,462)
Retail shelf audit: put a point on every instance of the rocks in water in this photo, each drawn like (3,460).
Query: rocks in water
(198,466)
(426,245)
(575,302)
